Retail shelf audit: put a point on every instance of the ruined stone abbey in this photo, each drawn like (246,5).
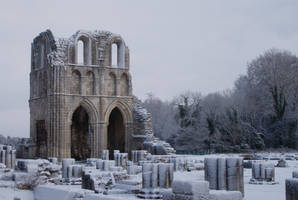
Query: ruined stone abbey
(81,98)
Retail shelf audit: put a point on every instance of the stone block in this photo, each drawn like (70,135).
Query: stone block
(191,190)
(292,189)
(225,195)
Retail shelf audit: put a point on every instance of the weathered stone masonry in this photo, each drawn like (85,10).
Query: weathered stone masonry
(71,103)
(77,109)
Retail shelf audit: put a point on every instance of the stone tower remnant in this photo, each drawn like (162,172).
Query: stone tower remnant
(81,98)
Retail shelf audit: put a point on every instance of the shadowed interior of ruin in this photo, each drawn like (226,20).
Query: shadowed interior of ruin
(116,132)
(41,138)
(80,146)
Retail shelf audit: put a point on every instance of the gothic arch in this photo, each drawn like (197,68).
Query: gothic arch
(124,109)
(118,41)
(88,106)
(85,38)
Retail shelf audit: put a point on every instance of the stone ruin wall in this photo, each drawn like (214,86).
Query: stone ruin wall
(59,85)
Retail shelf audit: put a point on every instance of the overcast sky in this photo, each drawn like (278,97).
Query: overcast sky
(175,46)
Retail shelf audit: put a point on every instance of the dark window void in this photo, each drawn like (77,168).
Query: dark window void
(80,135)
(41,138)
(116,132)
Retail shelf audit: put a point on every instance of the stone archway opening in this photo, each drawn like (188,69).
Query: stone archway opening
(116,132)
(80,135)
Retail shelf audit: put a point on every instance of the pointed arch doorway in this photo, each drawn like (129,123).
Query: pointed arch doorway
(116,132)
(80,134)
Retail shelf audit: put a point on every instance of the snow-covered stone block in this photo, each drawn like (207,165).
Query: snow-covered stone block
(53,160)
(106,197)
(92,161)
(52,192)
(225,195)
(28,165)
(24,180)
(167,195)
(190,187)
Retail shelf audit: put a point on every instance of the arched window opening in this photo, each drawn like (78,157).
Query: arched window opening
(114,55)
(42,55)
(76,82)
(90,86)
(124,85)
(112,90)
(40,85)
(45,84)
(116,132)
(80,135)
(81,52)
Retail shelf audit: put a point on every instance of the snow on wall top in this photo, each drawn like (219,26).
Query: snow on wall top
(58,47)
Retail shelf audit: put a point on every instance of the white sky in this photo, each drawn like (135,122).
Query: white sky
(175,45)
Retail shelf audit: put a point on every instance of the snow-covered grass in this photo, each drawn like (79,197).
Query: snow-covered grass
(8,193)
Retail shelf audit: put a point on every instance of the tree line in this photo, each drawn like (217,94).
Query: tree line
(259,112)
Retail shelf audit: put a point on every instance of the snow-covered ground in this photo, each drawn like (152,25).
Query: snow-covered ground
(252,192)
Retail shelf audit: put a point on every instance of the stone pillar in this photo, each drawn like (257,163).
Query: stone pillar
(115,152)
(222,174)
(8,158)
(146,175)
(121,159)
(105,154)
(157,175)
(211,172)
(138,155)
(292,189)
(235,174)
(65,163)
(263,171)
(3,152)
(165,175)
(77,171)
(13,159)
(99,164)
(225,174)
(69,172)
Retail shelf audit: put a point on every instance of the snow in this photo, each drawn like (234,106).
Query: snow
(225,195)
(252,191)
(8,193)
